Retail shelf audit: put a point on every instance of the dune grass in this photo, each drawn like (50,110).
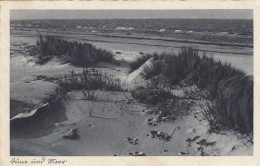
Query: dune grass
(76,53)
(231,88)
(90,80)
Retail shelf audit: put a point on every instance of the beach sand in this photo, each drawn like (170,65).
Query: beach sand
(103,125)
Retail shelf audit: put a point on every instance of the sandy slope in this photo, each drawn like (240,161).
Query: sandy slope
(113,119)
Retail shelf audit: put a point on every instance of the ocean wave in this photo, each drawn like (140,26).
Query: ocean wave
(223,33)
(125,28)
(178,31)
(162,30)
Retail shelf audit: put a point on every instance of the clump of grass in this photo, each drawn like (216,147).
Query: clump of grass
(76,53)
(235,100)
(139,62)
(230,87)
(217,122)
(87,80)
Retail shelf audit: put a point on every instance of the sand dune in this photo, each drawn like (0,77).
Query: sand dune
(112,124)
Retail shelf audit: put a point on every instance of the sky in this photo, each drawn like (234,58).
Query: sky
(111,14)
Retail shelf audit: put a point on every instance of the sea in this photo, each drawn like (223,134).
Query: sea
(210,30)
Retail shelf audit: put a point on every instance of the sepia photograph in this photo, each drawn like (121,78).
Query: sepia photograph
(131,82)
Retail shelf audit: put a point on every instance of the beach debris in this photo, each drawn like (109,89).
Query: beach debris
(190,140)
(200,149)
(161,135)
(151,121)
(162,118)
(137,154)
(72,134)
(182,153)
(204,142)
(132,141)
(165,150)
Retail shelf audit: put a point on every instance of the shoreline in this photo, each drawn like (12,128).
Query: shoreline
(137,37)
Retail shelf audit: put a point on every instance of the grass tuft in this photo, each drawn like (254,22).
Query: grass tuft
(90,80)
(78,54)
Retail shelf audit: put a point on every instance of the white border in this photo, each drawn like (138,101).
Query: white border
(85,161)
